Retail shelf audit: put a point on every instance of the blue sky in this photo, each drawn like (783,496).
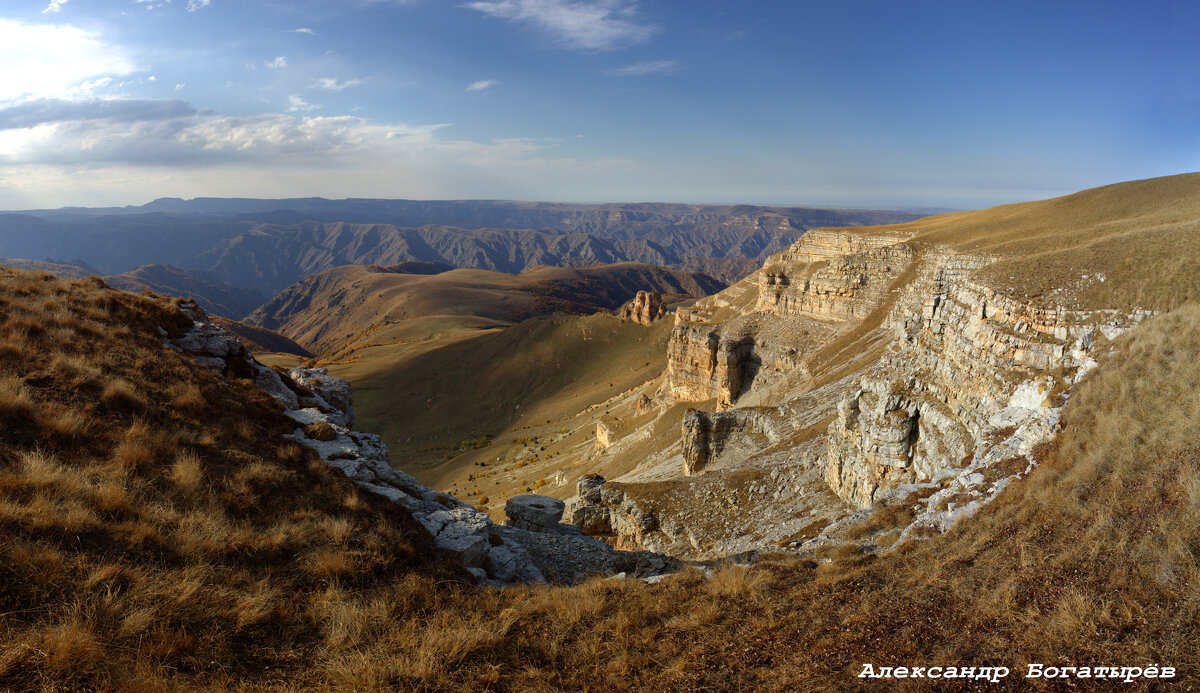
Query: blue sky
(851,103)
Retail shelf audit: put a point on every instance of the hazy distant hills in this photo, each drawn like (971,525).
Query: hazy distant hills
(266,245)
(209,291)
(602,219)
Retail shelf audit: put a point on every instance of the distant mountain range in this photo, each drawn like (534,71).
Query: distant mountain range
(267,245)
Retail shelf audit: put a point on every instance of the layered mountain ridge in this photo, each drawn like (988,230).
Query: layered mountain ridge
(266,245)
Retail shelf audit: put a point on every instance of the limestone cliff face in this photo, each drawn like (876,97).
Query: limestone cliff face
(967,361)
(825,283)
(704,364)
(851,369)
(811,281)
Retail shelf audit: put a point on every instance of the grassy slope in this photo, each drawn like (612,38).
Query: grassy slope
(154,526)
(535,372)
(1092,560)
(341,310)
(1141,235)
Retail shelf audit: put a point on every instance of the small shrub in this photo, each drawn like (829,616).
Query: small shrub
(321,430)
(120,393)
(187,472)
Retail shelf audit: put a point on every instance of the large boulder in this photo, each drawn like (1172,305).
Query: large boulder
(534,512)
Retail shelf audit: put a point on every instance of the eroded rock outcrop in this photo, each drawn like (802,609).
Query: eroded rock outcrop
(534,512)
(563,552)
(967,361)
(826,283)
(603,510)
(646,308)
(704,435)
(834,287)
(604,436)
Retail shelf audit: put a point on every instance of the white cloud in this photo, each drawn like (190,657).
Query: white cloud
(319,159)
(332,84)
(583,24)
(482,85)
(278,63)
(303,30)
(653,67)
(34,112)
(297,103)
(55,6)
(180,86)
(194,5)
(81,60)
(153,4)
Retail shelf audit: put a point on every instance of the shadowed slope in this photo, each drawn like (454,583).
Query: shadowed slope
(213,295)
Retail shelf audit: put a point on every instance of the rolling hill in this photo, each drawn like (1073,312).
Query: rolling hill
(343,309)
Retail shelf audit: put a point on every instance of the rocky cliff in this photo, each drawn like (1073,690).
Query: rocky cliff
(967,361)
(871,365)
(825,284)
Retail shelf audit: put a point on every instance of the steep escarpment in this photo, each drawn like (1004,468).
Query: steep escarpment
(827,284)
(889,366)
(968,362)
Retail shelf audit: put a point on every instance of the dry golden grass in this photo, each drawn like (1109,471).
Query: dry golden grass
(1140,235)
(156,531)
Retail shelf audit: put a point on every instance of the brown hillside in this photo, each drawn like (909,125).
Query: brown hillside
(349,307)
(260,339)
(1126,245)
(154,525)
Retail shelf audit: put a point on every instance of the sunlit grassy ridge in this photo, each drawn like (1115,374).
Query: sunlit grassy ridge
(1141,236)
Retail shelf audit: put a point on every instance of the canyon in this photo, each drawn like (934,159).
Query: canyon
(856,371)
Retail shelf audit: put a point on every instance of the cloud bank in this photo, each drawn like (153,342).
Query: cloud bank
(596,25)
